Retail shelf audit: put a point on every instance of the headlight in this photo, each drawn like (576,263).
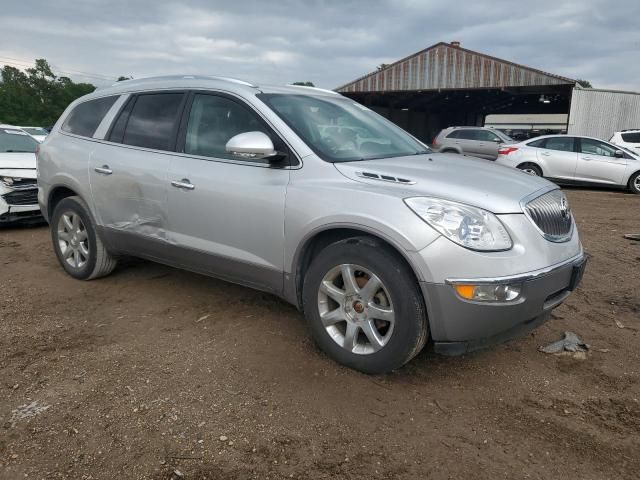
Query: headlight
(465,225)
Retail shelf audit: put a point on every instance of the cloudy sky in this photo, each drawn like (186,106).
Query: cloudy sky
(326,42)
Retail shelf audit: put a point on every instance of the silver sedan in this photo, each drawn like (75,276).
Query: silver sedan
(573,159)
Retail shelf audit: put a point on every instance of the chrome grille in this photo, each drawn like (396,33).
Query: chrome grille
(551,214)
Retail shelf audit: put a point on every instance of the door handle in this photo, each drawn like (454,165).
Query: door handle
(104,169)
(588,159)
(184,184)
(545,154)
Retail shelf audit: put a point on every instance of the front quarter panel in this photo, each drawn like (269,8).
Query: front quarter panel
(320,198)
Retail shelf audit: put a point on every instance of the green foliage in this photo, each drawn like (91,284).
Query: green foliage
(304,84)
(584,83)
(36,96)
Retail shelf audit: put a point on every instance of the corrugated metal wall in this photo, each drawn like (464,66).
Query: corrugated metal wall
(600,113)
(444,66)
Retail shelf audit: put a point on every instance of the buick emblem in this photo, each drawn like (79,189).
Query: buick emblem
(565,211)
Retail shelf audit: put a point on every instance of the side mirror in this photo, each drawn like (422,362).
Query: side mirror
(256,145)
(619,154)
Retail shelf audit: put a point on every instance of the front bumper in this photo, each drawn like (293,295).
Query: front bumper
(459,326)
(19,213)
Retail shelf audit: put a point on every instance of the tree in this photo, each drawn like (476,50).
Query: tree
(36,96)
(584,83)
(382,66)
(304,84)
(122,78)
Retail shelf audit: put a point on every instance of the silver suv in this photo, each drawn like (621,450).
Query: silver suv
(480,142)
(301,192)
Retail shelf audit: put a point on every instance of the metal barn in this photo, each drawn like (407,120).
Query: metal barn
(446,85)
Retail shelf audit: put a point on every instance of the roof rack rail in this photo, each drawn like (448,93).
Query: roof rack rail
(314,88)
(184,77)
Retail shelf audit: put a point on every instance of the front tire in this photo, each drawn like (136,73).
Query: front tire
(363,306)
(634,183)
(78,247)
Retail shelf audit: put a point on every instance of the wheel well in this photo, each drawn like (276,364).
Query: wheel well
(321,240)
(56,195)
(631,177)
(523,164)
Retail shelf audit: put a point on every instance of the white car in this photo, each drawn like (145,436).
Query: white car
(38,133)
(627,138)
(577,160)
(18,187)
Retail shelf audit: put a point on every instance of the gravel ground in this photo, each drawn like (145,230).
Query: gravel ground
(154,369)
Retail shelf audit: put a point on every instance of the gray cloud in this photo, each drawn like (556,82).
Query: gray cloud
(327,42)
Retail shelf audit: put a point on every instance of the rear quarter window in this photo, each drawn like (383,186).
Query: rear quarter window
(85,117)
(537,143)
(631,137)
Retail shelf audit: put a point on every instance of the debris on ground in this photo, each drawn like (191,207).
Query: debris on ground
(570,344)
(27,411)
(176,475)
(632,236)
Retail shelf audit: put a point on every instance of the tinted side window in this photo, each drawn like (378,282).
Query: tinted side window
(595,147)
(486,136)
(85,117)
(564,144)
(537,143)
(454,134)
(632,137)
(467,134)
(213,121)
(153,121)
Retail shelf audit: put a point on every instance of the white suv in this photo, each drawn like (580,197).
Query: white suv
(628,139)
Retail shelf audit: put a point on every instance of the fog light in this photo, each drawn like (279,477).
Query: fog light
(489,292)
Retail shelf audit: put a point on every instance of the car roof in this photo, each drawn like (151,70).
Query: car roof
(178,82)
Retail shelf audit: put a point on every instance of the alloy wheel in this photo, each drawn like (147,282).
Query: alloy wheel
(355,309)
(73,239)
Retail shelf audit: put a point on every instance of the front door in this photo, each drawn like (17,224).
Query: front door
(226,214)
(597,162)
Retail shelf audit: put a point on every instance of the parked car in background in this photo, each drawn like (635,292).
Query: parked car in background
(381,243)
(627,138)
(38,133)
(569,159)
(480,142)
(18,188)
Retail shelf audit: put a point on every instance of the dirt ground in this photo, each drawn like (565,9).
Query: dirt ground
(154,369)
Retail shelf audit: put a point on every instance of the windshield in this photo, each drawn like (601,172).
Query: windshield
(341,130)
(12,140)
(35,131)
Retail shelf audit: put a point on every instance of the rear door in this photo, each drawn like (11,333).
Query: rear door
(226,214)
(558,157)
(128,173)
(488,144)
(470,142)
(597,162)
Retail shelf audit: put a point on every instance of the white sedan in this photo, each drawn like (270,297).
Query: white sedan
(18,186)
(574,160)
(38,133)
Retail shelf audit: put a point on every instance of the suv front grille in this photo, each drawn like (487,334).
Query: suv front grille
(551,214)
(22,197)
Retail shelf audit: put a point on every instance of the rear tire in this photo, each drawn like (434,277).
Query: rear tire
(374,322)
(531,169)
(634,183)
(78,247)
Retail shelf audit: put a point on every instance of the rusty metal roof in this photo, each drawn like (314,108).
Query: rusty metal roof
(445,66)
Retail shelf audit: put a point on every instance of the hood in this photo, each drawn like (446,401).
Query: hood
(17,160)
(476,182)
